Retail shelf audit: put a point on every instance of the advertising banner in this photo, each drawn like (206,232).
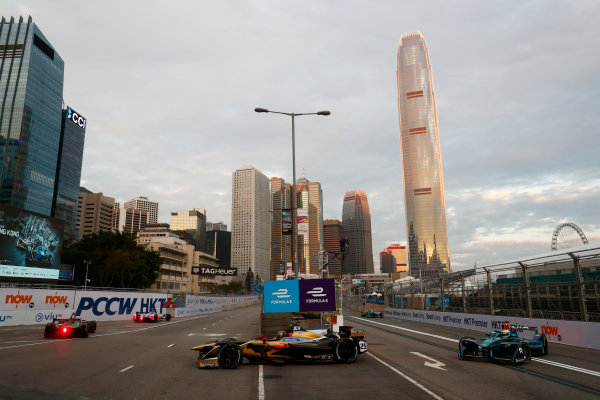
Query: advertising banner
(575,333)
(317,295)
(214,271)
(30,244)
(103,306)
(36,299)
(302,217)
(287,227)
(281,296)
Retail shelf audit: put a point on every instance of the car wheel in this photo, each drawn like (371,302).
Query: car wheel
(230,356)
(49,331)
(346,351)
(466,348)
(91,326)
(168,317)
(522,354)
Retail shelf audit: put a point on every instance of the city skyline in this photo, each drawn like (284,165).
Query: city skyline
(499,73)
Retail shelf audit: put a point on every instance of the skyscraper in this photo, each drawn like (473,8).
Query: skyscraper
(310,196)
(281,245)
(143,204)
(31,92)
(332,233)
(94,212)
(68,171)
(191,224)
(250,222)
(356,227)
(424,200)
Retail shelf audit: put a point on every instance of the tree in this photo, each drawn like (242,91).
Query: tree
(115,260)
(249,281)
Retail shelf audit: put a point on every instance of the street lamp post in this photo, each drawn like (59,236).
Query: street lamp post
(294,209)
(87,264)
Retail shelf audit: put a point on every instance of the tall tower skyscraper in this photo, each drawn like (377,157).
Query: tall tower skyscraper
(191,224)
(143,204)
(332,233)
(250,222)
(356,227)
(425,205)
(31,89)
(310,196)
(281,245)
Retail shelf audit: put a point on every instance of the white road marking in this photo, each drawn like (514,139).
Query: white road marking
(261,383)
(408,378)
(171,345)
(553,363)
(125,369)
(433,364)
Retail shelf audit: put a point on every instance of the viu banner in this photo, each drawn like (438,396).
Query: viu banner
(299,296)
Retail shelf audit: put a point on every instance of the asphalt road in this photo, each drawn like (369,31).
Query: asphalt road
(407,360)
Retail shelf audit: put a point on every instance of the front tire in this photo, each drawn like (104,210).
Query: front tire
(466,348)
(230,356)
(346,351)
(522,354)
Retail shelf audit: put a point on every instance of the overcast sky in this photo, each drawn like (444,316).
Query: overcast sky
(169,91)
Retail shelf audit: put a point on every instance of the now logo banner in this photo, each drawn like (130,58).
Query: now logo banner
(302,295)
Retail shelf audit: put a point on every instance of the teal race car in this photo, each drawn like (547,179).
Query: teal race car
(504,345)
(370,313)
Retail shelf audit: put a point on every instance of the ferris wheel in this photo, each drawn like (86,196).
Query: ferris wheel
(567,235)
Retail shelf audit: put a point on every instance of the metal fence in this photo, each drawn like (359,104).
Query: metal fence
(561,285)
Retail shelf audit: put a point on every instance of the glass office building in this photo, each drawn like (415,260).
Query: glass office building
(31,88)
(356,227)
(428,252)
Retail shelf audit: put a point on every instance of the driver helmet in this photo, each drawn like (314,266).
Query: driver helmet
(505,333)
(505,326)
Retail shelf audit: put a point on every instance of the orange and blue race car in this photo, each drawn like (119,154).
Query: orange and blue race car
(297,345)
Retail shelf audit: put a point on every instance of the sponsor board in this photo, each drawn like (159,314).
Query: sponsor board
(303,295)
(281,296)
(103,306)
(575,333)
(36,299)
(31,317)
(317,295)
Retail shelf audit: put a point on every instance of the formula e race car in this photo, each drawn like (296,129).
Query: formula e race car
(69,328)
(151,316)
(288,346)
(370,313)
(504,345)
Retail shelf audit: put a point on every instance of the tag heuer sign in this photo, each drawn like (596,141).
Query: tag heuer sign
(214,271)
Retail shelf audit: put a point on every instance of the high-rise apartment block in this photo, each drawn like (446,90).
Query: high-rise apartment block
(132,221)
(356,225)
(310,197)
(218,244)
(216,226)
(332,233)
(94,212)
(399,253)
(424,199)
(143,204)
(250,222)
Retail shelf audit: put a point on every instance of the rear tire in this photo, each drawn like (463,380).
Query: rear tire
(49,331)
(230,356)
(91,326)
(168,317)
(346,351)
(545,344)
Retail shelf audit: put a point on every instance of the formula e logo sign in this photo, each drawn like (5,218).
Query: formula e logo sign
(317,295)
(75,118)
(281,296)
(281,293)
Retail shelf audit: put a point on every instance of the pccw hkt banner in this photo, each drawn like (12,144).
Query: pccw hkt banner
(299,296)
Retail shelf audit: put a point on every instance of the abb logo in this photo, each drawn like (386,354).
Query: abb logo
(550,330)
(54,300)
(18,299)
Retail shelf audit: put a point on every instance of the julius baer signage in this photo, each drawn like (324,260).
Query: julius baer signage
(302,295)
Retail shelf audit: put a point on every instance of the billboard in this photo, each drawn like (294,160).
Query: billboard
(302,216)
(30,244)
(303,295)
(286,222)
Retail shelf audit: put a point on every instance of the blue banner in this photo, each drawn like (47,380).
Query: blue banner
(281,296)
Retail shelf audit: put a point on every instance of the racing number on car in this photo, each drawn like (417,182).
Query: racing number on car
(362,345)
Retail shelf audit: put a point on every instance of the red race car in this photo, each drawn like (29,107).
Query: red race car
(69,328)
